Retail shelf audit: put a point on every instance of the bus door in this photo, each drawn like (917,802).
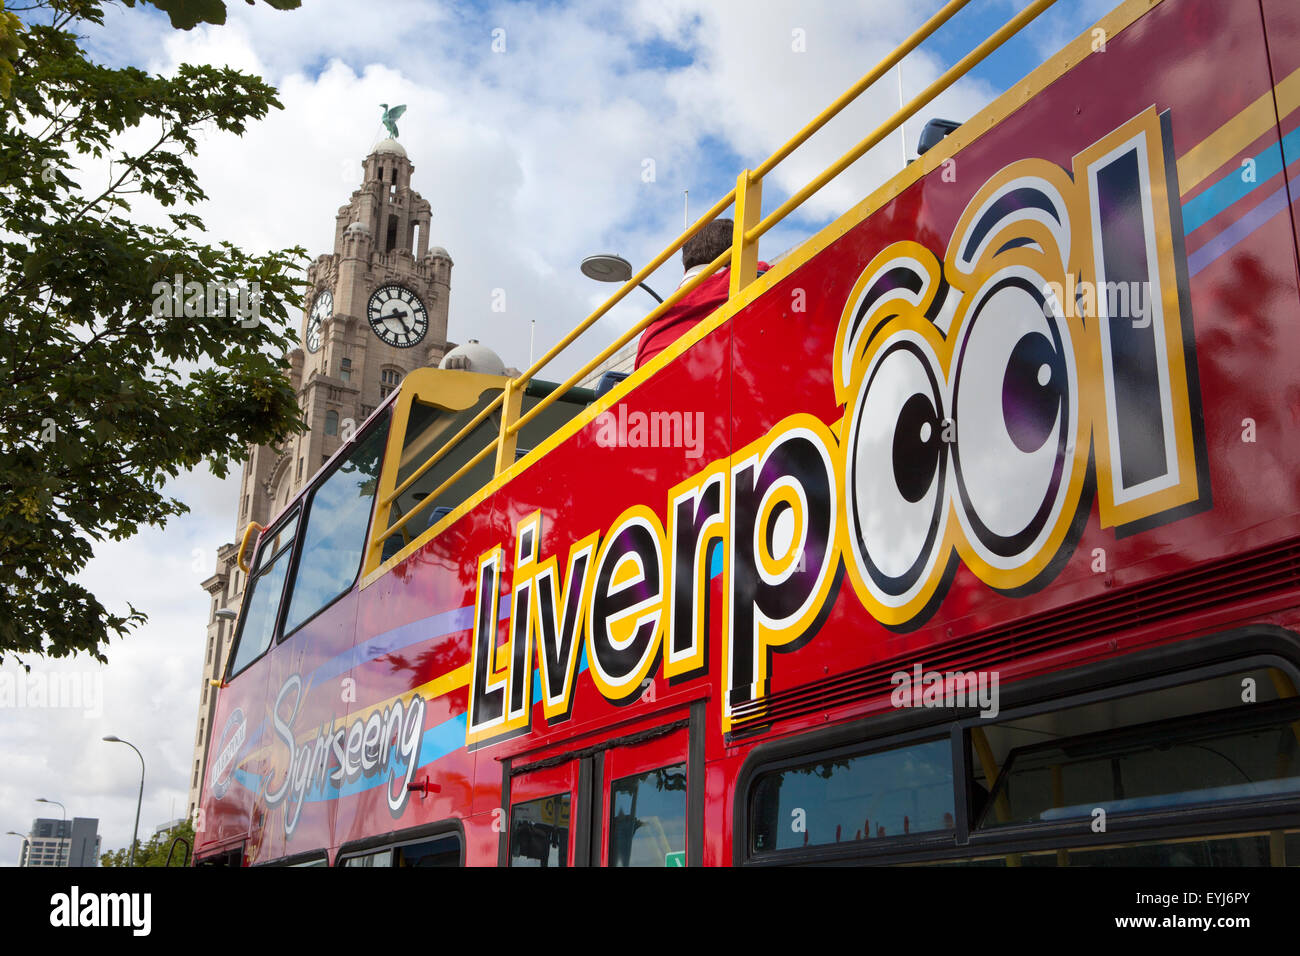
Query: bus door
(543,808)
(645,802)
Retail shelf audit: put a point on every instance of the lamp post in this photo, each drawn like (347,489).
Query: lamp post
(24,836)
(140,799)
(611,268)
(62,858)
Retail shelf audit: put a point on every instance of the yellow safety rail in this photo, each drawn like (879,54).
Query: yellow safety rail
(750,226)
(250,534)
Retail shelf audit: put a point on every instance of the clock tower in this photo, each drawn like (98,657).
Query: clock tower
(374,310)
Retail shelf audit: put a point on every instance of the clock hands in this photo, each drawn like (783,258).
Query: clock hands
(404,309)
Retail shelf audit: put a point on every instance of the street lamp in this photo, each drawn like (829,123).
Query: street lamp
(611,268)
(17,834)
(226,614)
(134,833)
(62,856)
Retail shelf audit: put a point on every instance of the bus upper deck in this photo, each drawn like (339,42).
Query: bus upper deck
(991,524)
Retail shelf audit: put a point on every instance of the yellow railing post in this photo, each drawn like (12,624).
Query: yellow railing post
(510,406)
(744,253)
(384,493)
(989,764)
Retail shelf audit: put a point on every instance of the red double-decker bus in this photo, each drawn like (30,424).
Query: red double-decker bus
(968,532)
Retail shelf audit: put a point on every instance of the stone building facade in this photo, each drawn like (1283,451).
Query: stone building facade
(375,309)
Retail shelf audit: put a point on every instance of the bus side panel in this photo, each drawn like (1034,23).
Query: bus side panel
(236,754)
(415,628)
(307,703)
(1282,30)
(617,472)
(1240,328)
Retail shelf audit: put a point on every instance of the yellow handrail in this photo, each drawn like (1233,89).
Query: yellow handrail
(433,495)
(960,69)
(446,446)
(742,257)
(852,93)
(685,290)
(627,287)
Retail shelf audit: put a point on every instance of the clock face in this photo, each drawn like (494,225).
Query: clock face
(397,315)
(321,309)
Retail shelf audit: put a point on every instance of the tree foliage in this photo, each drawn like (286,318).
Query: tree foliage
(110,387)
(155,852)
(187,14)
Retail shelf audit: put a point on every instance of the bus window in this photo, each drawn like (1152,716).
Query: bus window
(262,600)
(645,802)
(338,516)
(1247,753)
(539,832)
(441,850)
(376,858)
(1271,848)
(647,825)
(444,851)
(845,798)
(429,427)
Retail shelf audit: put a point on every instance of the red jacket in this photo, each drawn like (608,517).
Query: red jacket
(673,324)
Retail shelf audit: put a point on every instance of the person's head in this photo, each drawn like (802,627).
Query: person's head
(707,244)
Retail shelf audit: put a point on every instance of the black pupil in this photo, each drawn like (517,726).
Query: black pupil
(1032,392)
(916,448)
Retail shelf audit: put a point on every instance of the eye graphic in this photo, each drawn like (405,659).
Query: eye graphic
(1014,403)
(896,471)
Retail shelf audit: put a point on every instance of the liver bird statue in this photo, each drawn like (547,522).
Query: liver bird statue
(390,118)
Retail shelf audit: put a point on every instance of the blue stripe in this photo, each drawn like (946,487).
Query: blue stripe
(1240,229)
(537,673)
(417,632)
(1233,187)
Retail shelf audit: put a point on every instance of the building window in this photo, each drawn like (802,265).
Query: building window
(331,423)
(345,370)
(196,774)
(210,640)
(299,469)
(367,411)
(388,380)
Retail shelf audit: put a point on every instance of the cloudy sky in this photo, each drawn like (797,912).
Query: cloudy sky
(541,133)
